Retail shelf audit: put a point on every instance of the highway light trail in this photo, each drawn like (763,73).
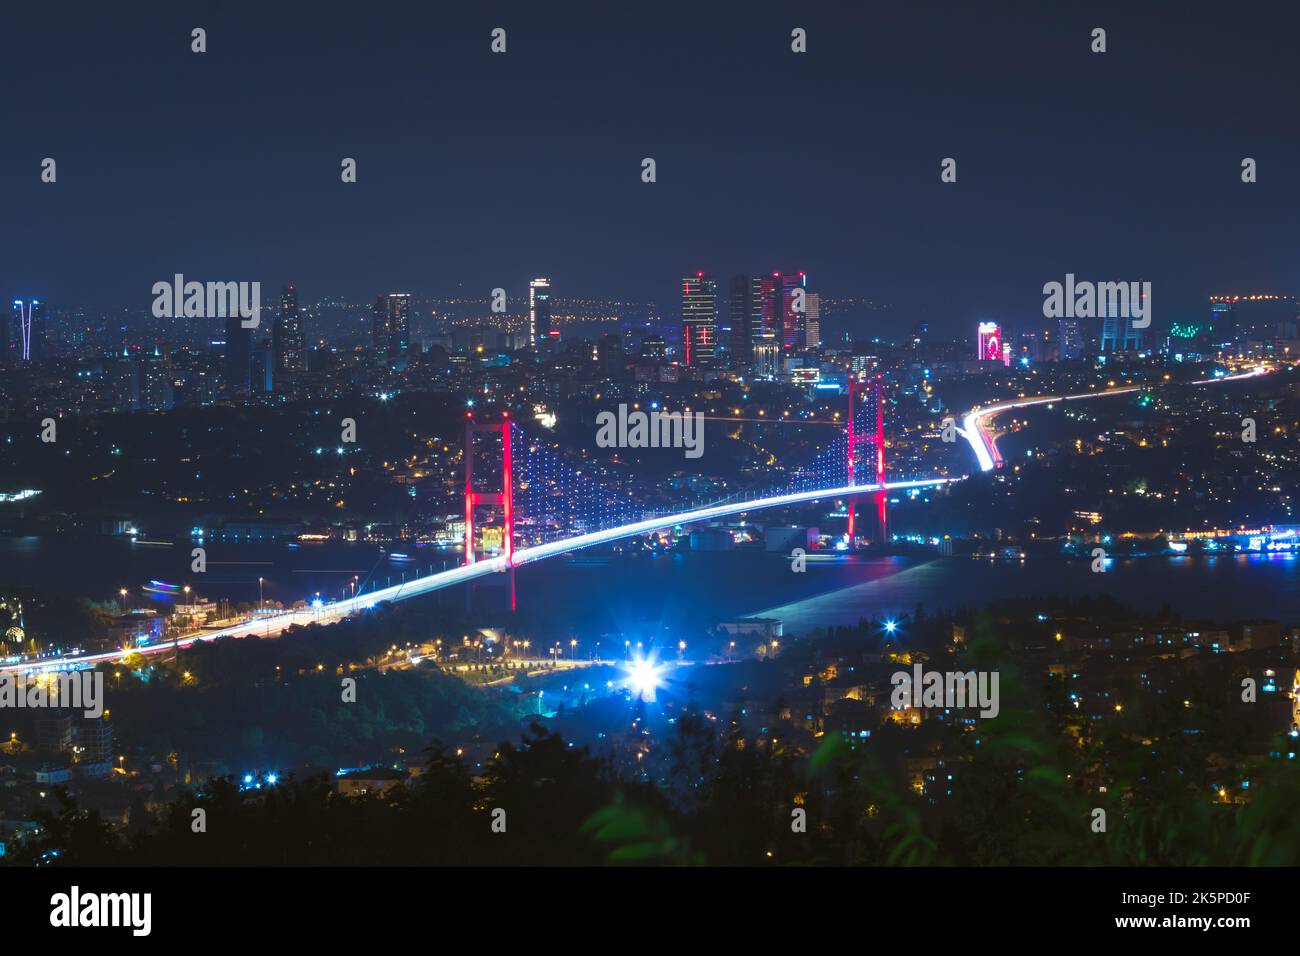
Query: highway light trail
(465,573)
(985,446)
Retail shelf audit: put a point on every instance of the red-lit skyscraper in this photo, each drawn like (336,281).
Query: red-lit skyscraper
(990,347)
(699,319)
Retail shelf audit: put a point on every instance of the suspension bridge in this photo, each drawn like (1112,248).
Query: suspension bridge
(551,506)
(546,504)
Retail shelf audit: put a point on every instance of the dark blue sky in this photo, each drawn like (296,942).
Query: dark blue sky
(478,170)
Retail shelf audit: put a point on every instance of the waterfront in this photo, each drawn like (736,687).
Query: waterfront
(595,592)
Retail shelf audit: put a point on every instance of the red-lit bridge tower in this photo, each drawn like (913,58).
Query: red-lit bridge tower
(873,443)
(505,498)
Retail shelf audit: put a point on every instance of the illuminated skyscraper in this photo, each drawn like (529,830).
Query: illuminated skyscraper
(812,320)
(539,311)
(990,342)
(794,310)
(699,319)
(391,323)
(287,336)
(1118,334)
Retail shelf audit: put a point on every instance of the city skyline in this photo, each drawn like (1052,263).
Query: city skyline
(757,438)
(1027,204)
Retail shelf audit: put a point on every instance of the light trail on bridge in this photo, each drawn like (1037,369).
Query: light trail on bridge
(985,446)
(337,610)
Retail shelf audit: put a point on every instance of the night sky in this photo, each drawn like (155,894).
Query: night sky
(478,170)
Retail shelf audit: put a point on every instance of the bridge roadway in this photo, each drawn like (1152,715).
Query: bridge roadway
(334,611)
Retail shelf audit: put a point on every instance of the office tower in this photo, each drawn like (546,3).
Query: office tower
(539,312)
(390,323)
(26,337)
(1223,320)
(287,337)
(793,314)
(812,320)
(239,352)
(699,319)
(262,368)
(1070,341)
(990,342)
(746,309)
(1118,334)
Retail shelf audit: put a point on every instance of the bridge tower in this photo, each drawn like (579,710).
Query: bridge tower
(872,440)
(505,498)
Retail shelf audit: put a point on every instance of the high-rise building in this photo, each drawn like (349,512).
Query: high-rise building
(746,310)
(812,320)
(287,336)
(391,324)
(539,312)
(261,373)
(1070,340)
(239,353)
(1118,334)
(792,333)
(26,334)
(699,319)
(990,342)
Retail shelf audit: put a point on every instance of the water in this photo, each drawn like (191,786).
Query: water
(602,593)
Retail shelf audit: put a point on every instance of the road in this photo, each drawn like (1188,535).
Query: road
(976,426)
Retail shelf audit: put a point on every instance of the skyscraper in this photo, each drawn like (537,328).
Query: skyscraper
(239,354)
(793,310)
(539,311)
(26,335)
(812,320)
(990,342)
(390,323)
(287,337)
(699,319)
(746,310)
(1118,334)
